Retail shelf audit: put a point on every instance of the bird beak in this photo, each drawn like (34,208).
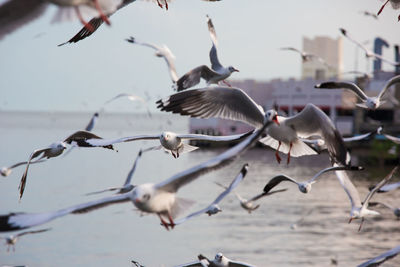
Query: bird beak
(235,70)
(275,119)
(137,200)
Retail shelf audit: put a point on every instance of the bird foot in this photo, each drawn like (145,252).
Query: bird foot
(225,82)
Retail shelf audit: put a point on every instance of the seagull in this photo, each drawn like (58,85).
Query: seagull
(368,53)
(171,142)
(367,102)
(305,187)
(54,150)
(369,14)
(358,210)
(235,104)
(127,184)
(12,239)
(396,211)
(159,198)
(14,13)
(377,261)
(248,204)
(305,57)
(161,51)
(214,75)
(213,208)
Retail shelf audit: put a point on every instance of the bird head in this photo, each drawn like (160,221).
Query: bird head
(219,256)
(167,136)
(5,171)
(142,193)
(232,69)
(272,115)
(305,187)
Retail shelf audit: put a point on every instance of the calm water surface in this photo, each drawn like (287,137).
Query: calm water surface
(115,235)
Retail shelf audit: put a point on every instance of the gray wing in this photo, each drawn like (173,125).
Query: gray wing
(233,184)
(108,142)
(394,80)
(346,85)
(215,64)
(335,168)
(346,34)
(389,187)
(211,30)
(349,188)
(356,137)
(292,49)
(33,232)
(204,137)
(175,182)
(80,139)
(393,63)
(132,171)
(129,96)
(392,138)
(313,121)
(381,258)
(277,180)
(190,264)
(25,162)
(218,102)
(15,13)
(92,122)
(17,221)
(263,194)
(239,264)
(192,77)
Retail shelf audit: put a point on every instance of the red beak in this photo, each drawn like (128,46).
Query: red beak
(275,119)
(236,70)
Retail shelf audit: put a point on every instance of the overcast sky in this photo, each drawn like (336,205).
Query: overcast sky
(35,74)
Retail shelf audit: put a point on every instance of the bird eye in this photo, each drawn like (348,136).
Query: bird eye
(146,196)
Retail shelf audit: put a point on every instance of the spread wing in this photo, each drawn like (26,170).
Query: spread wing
(204,137)
(338,85)
(277,180)
(33,232)
(394,80)
(95,142)
(192,78)
(215,102)
(381,258)
(80,139)
(92,122)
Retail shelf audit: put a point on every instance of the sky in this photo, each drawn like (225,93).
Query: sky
(37,75)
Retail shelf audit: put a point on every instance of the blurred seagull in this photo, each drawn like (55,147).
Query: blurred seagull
(16,13)
(248,204)
(285,133)
(213,208)
(163,52)
(368,53)
(159,198)
(12,239)
(214,75)
(377,261)
(128,186)
(369,14)
(305,187)
(54,150)
(306,57)
(396,211)
(367,102)
(171,142)
(358,210)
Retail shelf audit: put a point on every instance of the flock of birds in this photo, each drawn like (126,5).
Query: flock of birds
(307,133)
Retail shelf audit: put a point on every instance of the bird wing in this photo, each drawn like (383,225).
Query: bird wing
(92,122)
(221,102)
(175,182)
(263,194)
(203,137)
(129,96)
(95,142)
(313,121)
(239,264)
(389,187)
(378,186)
(392,138)
(211,30)
(25,162)
(80,138)
(356,137)
(393,63)
(33,232)
(394,80)
(15,13)
(192,77)
(346,85)
(335,168)
(215,64)
(132,171)
(17,221)
(381,258)
(346,34)
(349,188)
(233,184)
(191,264)
(292,49)
(277,180)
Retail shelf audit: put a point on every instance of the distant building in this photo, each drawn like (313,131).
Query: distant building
(330,50)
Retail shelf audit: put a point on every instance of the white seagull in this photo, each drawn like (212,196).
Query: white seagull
(171,142)
(16,13)
(377,261)
(159,198)
(54,150)
(161,51)
(305,186)
(360,210)
(128,186)
(11,240)
(214,208)
(367,102)
(285,133)
(368,53)
(248,204)
(214,75)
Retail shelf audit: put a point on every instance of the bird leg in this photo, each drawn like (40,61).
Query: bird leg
(166,4)
(173,154)
(177,154)
(164,223)
(102,15)
(278,158)
(380,10)
(288,158)
(172,224)
(88,26)
(225,82)
(362,220)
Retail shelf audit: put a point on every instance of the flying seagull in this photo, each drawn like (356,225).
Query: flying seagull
(12,239)
(15,13)
(213,208)
(306,57)
(221,261)
(171,142)
(161,51)
(368,53)
(159,198)
(214,75)
(369,14)
(360,210)
(128,186)
(54,150)
(367,102)
(305,187)
(377,261)
(285,133)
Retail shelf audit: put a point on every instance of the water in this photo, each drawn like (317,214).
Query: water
(115,235)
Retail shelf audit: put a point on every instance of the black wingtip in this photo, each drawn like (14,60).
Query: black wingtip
(356,168)
(245,168)
(130,39)
(5,226)
(343,31)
